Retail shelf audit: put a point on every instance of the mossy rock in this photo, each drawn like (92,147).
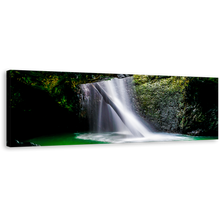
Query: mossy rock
(179,104)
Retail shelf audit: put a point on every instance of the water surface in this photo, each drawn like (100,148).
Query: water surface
(111,138)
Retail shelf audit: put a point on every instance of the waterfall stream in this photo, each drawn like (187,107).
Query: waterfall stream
(109,108)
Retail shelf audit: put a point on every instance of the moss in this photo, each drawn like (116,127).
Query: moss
(179,104)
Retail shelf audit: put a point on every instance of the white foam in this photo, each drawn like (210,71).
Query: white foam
(125,137)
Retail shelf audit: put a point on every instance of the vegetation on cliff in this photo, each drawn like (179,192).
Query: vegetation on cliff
(186,105)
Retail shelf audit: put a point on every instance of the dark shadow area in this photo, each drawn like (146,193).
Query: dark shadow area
(201,104)
(36,114)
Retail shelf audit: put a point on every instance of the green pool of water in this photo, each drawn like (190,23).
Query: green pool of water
(63,139)
(110,138)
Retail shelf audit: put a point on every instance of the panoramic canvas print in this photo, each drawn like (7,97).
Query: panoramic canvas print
(72,108)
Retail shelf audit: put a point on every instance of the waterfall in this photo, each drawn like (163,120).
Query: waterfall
(111,115)
(109,108)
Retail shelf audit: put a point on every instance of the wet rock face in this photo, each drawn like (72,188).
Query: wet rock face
(161,103)
(89,102)
(120,76)
(187,105)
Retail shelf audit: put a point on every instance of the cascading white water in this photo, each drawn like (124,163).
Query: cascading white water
(103,117)
(120,124)
(116,90)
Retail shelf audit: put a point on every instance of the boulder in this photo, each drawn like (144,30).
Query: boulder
(120,75)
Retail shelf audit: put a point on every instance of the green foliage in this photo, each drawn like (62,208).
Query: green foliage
(179,104)
(161,100)
(62,86)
